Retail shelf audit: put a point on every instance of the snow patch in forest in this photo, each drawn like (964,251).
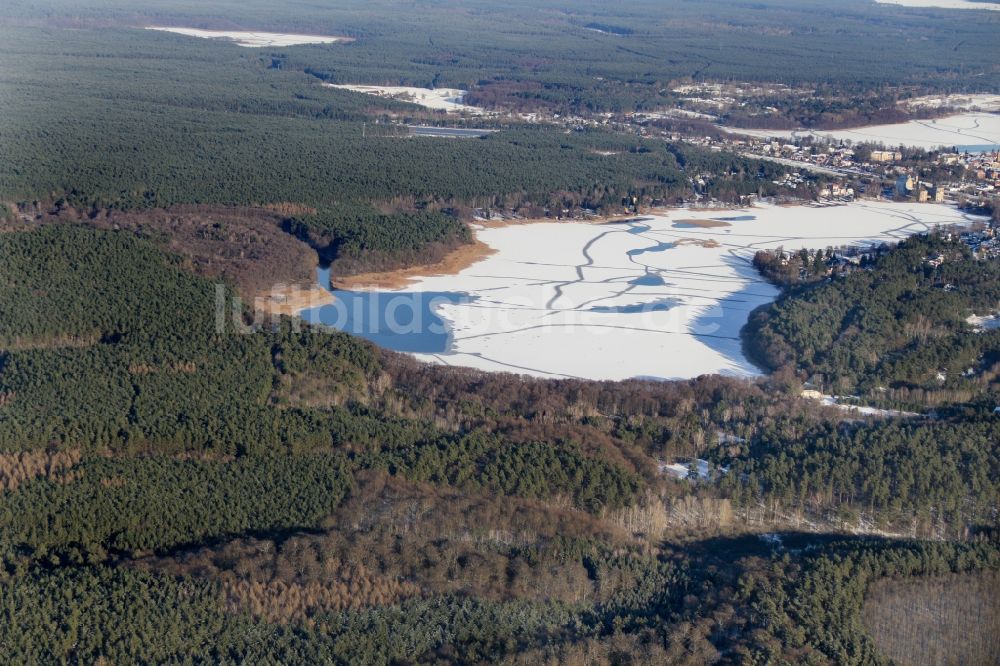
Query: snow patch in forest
(983,323)
(253,39)
(446,99)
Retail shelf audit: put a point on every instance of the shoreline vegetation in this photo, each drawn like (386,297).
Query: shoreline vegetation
(675,297)
(464,256)
(291,300)
(453,263)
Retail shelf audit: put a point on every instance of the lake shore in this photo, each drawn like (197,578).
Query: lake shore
(648,295)
(454,262)
(292,299)
(462,257)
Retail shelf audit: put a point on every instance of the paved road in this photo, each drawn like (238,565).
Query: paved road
(808,166)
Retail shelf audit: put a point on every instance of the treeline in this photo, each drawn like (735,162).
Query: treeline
(830,107)
(149,134)
(788,459)
(153,371)
(129,353)
(634,422)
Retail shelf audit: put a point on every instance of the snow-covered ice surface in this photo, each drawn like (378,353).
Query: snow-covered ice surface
(253,39)
(448,99)
(655,296)
(942,4)
(964,129)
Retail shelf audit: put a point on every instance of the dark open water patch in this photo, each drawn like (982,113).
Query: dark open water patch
(979,148)
(401,321)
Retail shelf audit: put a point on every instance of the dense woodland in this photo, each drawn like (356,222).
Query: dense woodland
(182,480)
(362,239)
(230,475)
(142,134)
(236,131)
(894,329)
(545,56)
(734,601)
(589,60)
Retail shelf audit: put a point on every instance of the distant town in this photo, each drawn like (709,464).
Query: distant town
(971,179)
(820,169)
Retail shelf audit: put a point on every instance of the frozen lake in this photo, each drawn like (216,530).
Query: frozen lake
(661,295)
(975,132)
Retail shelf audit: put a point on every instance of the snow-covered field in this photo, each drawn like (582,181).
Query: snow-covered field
(835,401)
(972,102)
(448,99)
(677,113)
(661,295)
(943,4)
(964,129)
(253,39)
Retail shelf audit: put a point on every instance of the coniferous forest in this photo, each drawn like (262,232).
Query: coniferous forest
(185,481)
